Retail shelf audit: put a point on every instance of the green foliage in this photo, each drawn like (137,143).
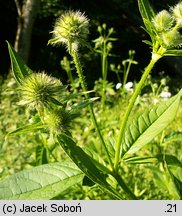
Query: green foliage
(20,69)
(42,182)
(148,125)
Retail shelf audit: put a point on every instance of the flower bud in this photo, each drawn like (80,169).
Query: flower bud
(163,81)
(104,26)
(99,29)
(112,66)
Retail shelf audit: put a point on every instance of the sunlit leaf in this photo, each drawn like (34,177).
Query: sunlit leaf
(19,68)
(83,161)
(144,127)
(40,183)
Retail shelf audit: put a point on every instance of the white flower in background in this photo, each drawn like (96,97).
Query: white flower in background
(118,86)
(165,95)
(129,86)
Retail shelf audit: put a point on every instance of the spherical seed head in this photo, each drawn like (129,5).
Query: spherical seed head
(163,21)
(71,29)
(177,13)
(40,90)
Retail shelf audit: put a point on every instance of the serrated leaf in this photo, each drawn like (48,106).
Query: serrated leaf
(146,12)
(19,68)
(144,127)
(40,183)
(83,161)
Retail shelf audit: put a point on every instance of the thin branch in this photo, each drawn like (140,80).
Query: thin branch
(18,7)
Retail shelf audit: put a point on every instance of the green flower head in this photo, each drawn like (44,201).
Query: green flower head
(40,90)
(177,13)
(71,29)
(171,39)
(163,21)
(59,120)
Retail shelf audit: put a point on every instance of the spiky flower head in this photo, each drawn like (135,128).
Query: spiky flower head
(59,120)
(171,38)
(40,90)
(163,21)
(71,29)
(177,13)
(167,26)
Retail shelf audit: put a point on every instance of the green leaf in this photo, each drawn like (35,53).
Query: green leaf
(175,52)
(172,137)
(147,14)
(141,160)
(83,161)
(169,160)
(27,129)
(85,103)
(40,183)
(19,68)
(97,160)
(159,178)
(41,155)
(174,185)
(147,42)
(144,127)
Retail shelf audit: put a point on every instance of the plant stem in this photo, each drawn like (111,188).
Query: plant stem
(126,73)
(121,182)
(129,108)
(104,73)
(92,114)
